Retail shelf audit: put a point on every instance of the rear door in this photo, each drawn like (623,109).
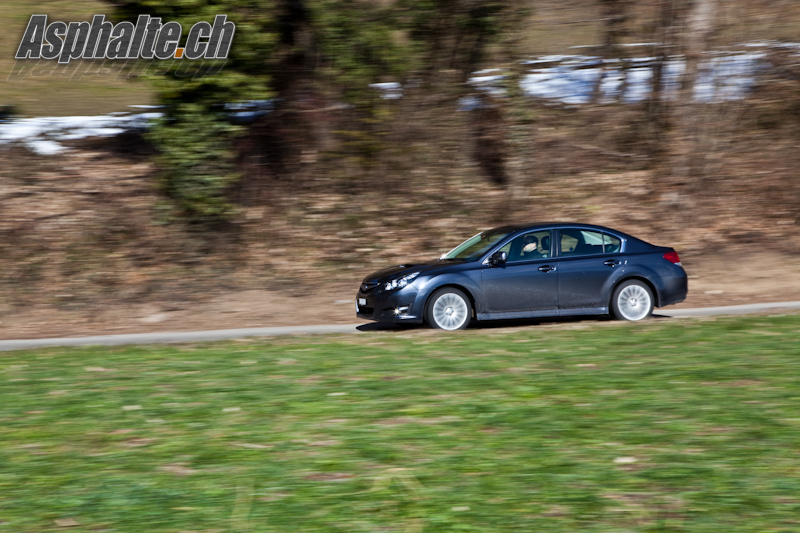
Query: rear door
(528,282)
(587,261)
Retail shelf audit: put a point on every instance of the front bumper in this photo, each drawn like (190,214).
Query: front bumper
(399,306)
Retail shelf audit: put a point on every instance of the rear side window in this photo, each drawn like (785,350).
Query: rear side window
(575,242)
(612,244)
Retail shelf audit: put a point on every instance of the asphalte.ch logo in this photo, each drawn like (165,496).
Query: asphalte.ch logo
(148,39)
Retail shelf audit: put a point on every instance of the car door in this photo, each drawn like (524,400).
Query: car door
(527,283)
(587,262)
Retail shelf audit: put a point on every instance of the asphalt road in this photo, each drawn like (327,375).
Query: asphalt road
(227,334)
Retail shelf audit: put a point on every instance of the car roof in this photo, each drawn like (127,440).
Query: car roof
(547,225)
(520,228)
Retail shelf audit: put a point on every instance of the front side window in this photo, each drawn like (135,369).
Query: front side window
(574,242)
(475,247)
(528,247)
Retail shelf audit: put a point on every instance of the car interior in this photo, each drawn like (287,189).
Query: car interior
(573,242)
(583,242)
(520,248)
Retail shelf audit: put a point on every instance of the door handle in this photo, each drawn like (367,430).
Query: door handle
(547,268)
(611,263)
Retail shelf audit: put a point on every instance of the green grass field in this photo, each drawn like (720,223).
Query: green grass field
(59,93)
(684,426)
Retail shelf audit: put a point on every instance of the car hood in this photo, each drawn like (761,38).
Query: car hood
(407,268)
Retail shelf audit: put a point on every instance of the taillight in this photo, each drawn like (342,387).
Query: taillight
(672,257)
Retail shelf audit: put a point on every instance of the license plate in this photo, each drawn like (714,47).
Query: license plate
(362,301)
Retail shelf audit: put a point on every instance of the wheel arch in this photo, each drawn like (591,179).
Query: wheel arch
(451,285)
(637,277)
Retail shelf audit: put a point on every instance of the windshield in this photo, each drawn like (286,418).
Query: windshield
(476,246)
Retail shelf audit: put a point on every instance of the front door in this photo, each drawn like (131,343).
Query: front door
(527,284)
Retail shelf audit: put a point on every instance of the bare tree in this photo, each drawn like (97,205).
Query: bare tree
(697,30)
(615,15)
(663,46)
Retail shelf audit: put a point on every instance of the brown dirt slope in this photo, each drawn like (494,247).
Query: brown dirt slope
(88,246)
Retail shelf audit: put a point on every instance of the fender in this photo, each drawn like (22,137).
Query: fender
(460,280)
(629,271)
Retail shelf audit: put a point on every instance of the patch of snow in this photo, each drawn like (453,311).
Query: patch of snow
(389,90)
(42,134)
(723,75)
(44,147)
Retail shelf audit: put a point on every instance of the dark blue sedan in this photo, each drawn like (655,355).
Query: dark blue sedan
(527,271)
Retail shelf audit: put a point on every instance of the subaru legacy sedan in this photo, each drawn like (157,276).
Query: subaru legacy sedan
(528,271)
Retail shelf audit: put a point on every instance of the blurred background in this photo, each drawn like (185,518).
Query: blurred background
(342,136)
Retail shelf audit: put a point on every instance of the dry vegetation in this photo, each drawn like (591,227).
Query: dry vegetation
(89,243)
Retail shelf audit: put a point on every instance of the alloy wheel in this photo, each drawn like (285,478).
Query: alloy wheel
(634,302)
(450,311)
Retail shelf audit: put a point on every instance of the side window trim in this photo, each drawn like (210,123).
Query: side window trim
(550,254)
(557,244)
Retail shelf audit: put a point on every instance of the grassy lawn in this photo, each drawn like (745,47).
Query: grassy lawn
(685,426)
(58,94)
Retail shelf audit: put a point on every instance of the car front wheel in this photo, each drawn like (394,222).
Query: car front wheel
(632,300)
(449,309)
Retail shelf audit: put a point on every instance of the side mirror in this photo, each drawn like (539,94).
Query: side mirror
(498,258)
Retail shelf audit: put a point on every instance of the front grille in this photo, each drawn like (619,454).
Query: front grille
(363,310)
(369,286)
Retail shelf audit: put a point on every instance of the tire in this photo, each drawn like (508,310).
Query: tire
(448,309)
(632,300)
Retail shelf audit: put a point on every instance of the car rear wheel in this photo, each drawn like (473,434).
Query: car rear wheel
(449,309)
(632,300)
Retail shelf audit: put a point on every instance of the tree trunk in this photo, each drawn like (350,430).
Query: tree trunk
(615,14)
(698,28)
(657,104)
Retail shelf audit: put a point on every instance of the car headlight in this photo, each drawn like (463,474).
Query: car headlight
(399,283)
